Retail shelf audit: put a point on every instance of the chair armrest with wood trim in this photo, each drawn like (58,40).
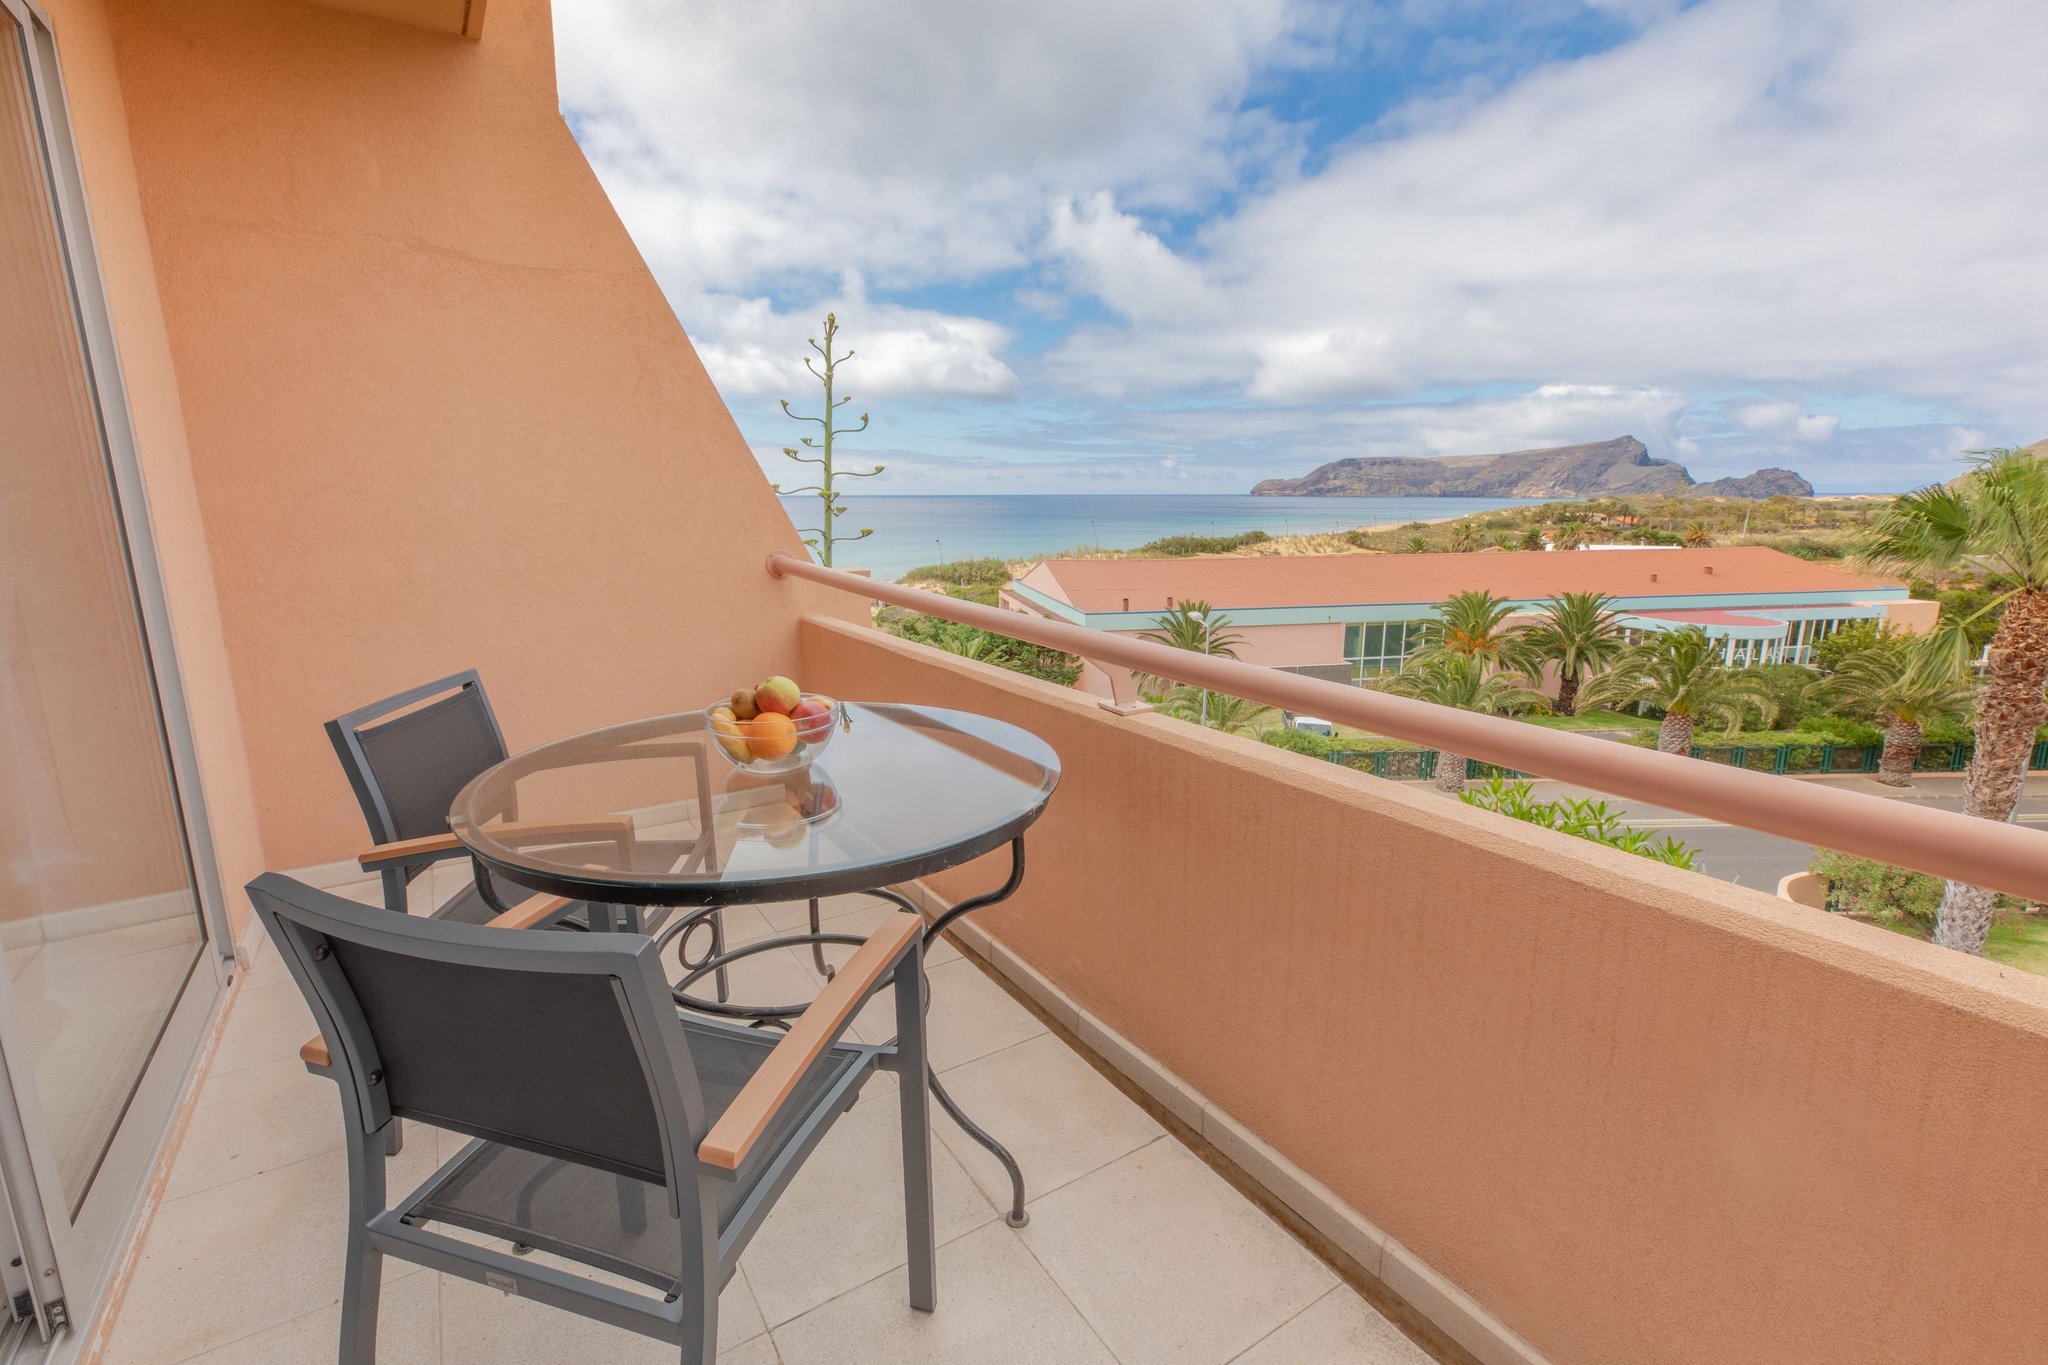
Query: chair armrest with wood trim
(610,829)
(425,848)
(529,912)
(748,1116)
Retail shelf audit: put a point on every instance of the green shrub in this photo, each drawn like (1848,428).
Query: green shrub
(1302,742)
(961,572)
(1786,685)
(1853,637)
(1830,729)
(1588,819)
(971,642)
(1951,730)
(1864,886)
(1170,547)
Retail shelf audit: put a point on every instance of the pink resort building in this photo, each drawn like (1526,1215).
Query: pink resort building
(1347,617)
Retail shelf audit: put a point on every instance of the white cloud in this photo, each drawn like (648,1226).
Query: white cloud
(747,140)
(1126,266)
(1830,195)
(898,352)
(1785,418)
(1814,200)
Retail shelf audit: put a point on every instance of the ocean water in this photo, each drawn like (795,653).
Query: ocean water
(912,531)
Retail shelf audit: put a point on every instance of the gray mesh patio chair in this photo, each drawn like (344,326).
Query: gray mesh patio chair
(609,1130)
(407,756)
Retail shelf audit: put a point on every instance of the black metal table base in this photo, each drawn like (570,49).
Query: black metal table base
(717,958)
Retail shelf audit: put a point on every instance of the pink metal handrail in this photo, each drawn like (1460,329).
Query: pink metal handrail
(1942,843)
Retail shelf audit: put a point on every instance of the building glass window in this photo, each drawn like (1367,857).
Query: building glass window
(1802,636)
(1378,647)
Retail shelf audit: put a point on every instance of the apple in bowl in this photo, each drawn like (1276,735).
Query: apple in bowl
(773,728)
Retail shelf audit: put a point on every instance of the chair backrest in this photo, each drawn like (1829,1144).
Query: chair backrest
(408,755)
(561,1044)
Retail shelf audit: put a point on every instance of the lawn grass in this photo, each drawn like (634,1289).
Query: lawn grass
(1594,720)
(2021,942)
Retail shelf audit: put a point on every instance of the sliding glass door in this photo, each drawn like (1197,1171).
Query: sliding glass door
(103,921)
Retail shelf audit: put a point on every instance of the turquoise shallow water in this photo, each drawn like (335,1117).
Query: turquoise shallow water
(914,531)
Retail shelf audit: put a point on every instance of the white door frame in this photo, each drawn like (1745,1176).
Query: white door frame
(86,1246)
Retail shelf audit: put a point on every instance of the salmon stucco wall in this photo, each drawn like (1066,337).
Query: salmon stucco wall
(1643,1116)
(440,414)
(1913,617)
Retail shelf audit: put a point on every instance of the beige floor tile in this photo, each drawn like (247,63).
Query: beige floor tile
(256,1120)
(370,891)
(1169,1263)
(269,1024)
(743,924)
(996,1307)
(971,1016)
(794,916)
(771,977)
(408,1332)
(1338,1329)
(481,1326)
(840,1222)
(18,959)
(760,1351)
(861,920)
(238,1259)
(1055,1113)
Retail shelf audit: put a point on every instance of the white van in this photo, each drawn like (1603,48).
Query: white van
(1314,726)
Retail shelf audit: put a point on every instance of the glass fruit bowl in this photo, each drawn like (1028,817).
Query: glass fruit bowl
(771,742)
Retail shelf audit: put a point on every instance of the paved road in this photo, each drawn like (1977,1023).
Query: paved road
(1755,859)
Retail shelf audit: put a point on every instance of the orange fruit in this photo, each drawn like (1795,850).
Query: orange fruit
(770,735)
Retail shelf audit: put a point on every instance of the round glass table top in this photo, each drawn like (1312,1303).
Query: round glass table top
(654,812)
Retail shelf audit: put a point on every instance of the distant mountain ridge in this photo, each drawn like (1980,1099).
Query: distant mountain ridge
(1594,469)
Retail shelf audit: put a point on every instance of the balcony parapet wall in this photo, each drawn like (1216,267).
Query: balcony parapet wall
(1639,1115)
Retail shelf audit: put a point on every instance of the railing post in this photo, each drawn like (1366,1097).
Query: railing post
(1125,699)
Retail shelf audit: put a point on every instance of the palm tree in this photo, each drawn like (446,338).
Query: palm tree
(1464,537)
(1996,517)
(1474,625)
(1217,710)
(1532,539)
(1681,672)
(1579,633)
(1193,626)
(1903,686)
(1696,535)
(1417,545)
(1462,681)
(1569,536)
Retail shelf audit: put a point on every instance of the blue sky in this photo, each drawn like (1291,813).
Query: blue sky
(1187,244)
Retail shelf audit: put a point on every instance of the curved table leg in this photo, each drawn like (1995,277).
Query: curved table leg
(1018,1215)
(825,969)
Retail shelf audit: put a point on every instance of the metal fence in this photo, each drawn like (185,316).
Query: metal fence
(1420,764)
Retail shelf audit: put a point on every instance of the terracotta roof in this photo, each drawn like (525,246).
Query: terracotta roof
(1100,585)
